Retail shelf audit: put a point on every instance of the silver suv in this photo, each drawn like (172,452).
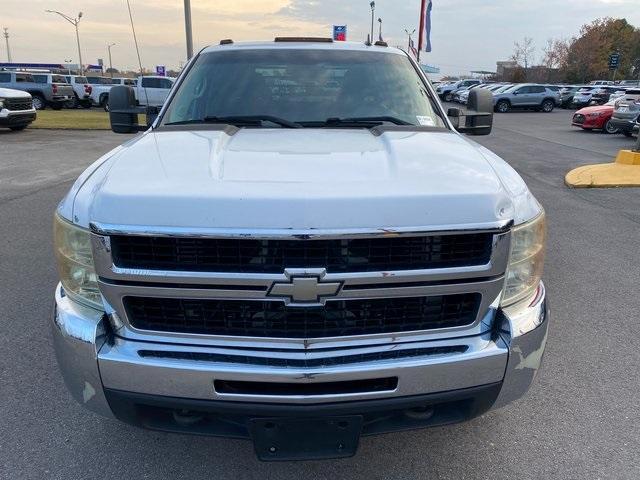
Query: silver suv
(537,97)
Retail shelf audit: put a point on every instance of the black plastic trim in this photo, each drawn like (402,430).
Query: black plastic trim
(231,419)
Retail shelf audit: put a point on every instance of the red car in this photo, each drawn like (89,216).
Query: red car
(595,118)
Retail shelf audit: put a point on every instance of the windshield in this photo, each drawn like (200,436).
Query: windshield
(303,87)
(509,89)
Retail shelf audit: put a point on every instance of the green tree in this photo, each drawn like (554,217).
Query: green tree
(588,54)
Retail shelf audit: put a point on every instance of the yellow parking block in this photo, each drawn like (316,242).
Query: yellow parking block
(624,172)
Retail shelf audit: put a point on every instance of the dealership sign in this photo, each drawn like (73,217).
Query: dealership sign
(340,33)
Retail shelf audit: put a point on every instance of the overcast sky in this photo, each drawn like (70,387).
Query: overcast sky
(467,34)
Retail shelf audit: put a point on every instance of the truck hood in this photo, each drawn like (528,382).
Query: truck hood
(10,93)
(299,180)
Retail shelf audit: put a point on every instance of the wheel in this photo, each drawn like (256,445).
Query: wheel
(548,106)
(609,128)
(104,102)
(18,128)
(503,106)
(448,97)
(57,106)
(39,103)
(73,103)
(85,103)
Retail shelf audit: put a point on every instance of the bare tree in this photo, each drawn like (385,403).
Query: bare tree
(523,53)
(555,53)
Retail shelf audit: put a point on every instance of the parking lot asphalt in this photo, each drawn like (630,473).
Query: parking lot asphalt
(581,420)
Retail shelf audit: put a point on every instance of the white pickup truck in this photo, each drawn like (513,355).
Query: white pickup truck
(149,91)
(152,90)
(16,109)
(301,249)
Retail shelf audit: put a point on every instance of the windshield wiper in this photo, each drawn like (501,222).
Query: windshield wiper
(242,120)
(358,122)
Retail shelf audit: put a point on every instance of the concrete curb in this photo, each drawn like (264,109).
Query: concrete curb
(624,172)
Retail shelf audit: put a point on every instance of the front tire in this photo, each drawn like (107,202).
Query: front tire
(18,128)
(503,106)
(548,106)
(609,128)
(104,102)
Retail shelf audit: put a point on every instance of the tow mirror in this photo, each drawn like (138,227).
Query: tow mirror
(152,114)
(454,115)
(478,119)
(123,111)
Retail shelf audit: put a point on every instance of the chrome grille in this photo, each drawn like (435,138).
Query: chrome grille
(274,256)
(170,288)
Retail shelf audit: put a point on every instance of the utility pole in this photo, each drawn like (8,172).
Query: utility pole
(74,22)
(373,17)
(6,39)
(188,28)
(110,63)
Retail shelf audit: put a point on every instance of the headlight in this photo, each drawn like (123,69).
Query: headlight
(1,103)
(528,246)
(75,263)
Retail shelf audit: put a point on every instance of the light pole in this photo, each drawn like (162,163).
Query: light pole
(74,22)
(188,28)
(409,34)
(373,16)
(110,63)
(6,38)
(380,33)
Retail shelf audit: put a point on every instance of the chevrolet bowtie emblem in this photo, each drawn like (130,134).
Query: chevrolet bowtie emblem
(305,290)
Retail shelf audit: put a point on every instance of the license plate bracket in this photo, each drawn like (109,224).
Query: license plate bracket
(286,439)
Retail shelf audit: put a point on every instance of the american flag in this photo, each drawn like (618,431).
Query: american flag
(412,48)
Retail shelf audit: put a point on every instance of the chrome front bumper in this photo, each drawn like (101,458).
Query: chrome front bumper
(92,360)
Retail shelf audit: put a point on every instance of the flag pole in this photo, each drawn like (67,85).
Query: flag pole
(422,27)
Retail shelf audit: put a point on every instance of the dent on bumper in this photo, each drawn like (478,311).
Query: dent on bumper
(80,338)
(78,334)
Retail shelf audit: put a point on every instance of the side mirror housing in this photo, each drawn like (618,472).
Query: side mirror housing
(123,111)
(478,119)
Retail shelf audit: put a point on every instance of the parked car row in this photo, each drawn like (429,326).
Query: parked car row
(620,115)
(507,96)
(72,91)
